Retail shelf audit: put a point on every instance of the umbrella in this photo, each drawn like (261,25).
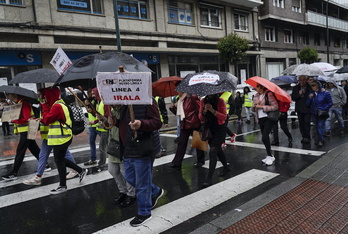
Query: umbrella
(325,67)
(342,70)
(6,89)
(284,80)
(280,94)
(42,75)
(165,86)
(207,82)
(303,69)
(84,70)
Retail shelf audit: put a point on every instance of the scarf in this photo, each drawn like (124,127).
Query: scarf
(180,108)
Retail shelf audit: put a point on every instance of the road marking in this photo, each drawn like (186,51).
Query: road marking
(42,191)
(278,148)
(178,211)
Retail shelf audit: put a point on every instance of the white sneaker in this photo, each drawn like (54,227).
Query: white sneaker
(47,168)
(265,159)
(34,181)
(71,174)
(83,175)
(60,189)
(270,161)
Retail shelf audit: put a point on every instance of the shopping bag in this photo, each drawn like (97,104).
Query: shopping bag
(197,141)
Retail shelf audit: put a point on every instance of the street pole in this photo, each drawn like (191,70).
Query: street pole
(327,32)
(118,37)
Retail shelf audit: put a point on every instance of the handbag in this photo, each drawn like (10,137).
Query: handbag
(205,133)
(143,144)
(114,148)
(197,141)
(273,115)
(323,114)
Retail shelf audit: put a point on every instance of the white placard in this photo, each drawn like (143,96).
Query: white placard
(30,86)
(3,81)
(125,88)
(33,128)
(204,78)
(11,112)
(60,61)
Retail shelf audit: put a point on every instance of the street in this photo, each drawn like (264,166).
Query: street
(185,206)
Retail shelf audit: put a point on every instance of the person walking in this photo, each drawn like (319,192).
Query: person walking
(238,101)
(164,119)
(264,102)
(300,95)
(56,115)
(345,106)
(230,109)
(139,158)
(5,125)
(319,100)
(248,103)
(339,99)
(283,121)
(187,110)
(21,128)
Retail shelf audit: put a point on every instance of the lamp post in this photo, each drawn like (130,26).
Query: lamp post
(327,32)
(118,37)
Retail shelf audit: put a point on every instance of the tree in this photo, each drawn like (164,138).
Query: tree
(232,48)
(308,55)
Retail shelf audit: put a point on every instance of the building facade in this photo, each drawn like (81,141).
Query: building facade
(172,37)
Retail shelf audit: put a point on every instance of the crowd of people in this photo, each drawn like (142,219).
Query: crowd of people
(135,142)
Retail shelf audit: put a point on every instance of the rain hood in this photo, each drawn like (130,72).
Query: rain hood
(52,94)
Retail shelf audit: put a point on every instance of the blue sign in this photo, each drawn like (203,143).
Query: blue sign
(18,57)
(149,58)
(73,3)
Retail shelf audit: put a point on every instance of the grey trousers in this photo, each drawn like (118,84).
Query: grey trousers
(103,143)
(117,171)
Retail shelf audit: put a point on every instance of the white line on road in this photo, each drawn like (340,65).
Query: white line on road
(178,211)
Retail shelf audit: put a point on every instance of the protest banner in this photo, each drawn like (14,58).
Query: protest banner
(60,61)
(125,88)
(11,112)
(33,128)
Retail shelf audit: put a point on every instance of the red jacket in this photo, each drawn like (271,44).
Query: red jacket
(50,112)
(191,108)
(221,113)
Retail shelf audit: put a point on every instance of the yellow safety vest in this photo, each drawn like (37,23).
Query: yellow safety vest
(100,109)
(247,101)
(92,118)
(59,133)
(226,96)
(18,128)
(156,99)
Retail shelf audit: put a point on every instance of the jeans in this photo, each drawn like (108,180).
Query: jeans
(138,173)
(338,115)
(45,153)
(178,126)
(92,137)
(320,125)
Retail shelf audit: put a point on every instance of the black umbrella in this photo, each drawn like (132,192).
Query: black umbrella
(42,75)
(208,82)
(6,89)
(342,70)
(84,70)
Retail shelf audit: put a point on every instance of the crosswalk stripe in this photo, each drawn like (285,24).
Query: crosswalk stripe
(178,211)
(278,148)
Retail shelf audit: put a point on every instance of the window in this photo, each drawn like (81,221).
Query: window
(12,2)
(278,3)
(241,21)
(85,6)
(304,38)
(317,39)
(337,42)
(288,37)
(180,12)
(210,16)
(296,6)
(132,9)
(270,34)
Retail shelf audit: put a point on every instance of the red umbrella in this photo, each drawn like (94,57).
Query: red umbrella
(165,86)
(281,95)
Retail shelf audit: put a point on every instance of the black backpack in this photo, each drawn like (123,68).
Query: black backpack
(77,119)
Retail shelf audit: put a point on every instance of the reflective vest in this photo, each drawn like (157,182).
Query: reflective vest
(161,117)
(59,133)
(92,118)
(226,96)
(247,101)
(18,128)
(100,109)
(44,131)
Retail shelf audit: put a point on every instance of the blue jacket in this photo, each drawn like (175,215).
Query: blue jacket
(321,101)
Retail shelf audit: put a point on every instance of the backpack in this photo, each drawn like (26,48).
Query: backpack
(77,119)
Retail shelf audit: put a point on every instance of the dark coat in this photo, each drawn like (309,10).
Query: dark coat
(300,105)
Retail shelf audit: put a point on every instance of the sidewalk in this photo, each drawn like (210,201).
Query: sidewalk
(315,201)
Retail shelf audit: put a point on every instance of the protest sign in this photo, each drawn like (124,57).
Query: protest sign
(60,61)
(33,128)
(11,112)
(125,88)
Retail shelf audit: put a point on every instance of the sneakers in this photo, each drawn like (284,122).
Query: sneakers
(140,220)
(269,160)
(47,168)
(71,174)
(120,198)
(34,181)
(223,145)
(59,190)
(327,133)
(128,201)
(90,162)
(11,176)
(233,138)
(83,175)
(155,198)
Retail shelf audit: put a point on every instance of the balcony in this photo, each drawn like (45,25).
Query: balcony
(320,20)
(343,3)
(245,3)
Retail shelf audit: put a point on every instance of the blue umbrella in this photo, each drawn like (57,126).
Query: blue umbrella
(284,80)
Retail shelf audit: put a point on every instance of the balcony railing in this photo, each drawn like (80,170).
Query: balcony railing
(320,19)
(340,2)
(246,3)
